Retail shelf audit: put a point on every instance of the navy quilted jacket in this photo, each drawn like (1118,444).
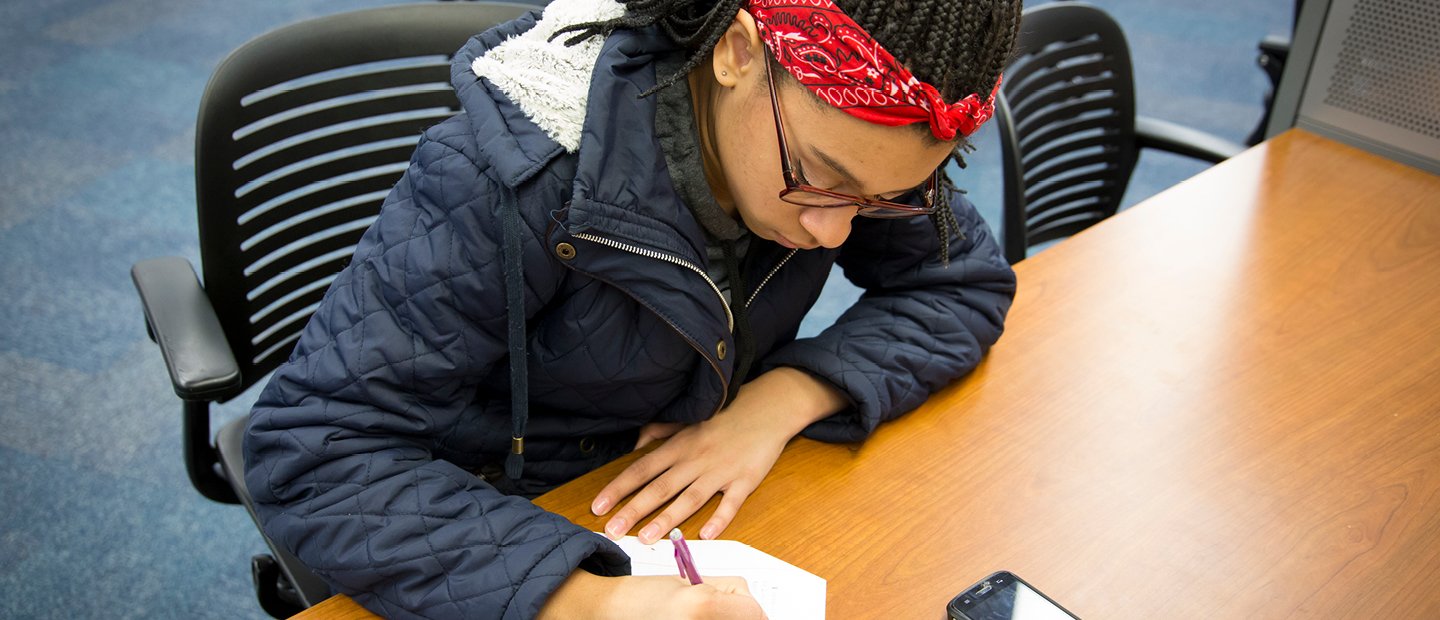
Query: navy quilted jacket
(371,454)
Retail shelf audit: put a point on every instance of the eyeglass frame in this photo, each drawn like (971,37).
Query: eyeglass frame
(794,185)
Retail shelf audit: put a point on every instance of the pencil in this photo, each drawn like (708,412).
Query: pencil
(683,559)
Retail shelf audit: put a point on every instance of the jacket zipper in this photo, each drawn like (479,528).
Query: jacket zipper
(755,293)
(724,385)
(669,258)
(676,260)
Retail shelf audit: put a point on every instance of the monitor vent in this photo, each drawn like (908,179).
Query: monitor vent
(1389,64)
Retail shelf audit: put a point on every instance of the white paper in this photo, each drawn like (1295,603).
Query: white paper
(784,591)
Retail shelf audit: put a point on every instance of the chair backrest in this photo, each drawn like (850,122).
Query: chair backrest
(302,133)
(1066,118)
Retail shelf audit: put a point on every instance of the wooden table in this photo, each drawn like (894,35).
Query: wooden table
(1223,403)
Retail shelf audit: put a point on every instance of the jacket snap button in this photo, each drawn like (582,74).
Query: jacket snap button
(721,349)
(587,445)
(565,251)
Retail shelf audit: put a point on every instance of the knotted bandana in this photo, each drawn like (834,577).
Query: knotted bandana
(842,64)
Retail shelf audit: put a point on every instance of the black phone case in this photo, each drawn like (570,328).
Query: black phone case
(955,609)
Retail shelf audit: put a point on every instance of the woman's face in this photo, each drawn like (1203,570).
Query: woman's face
(829,148)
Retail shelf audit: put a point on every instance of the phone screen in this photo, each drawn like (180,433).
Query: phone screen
(1004,597)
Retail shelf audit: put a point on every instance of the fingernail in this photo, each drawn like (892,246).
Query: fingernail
(600,506)
(707,532)
(650,534)
(616,529)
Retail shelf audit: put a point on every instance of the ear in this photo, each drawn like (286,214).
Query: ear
(739,54)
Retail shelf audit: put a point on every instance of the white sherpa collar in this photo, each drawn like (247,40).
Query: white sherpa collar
(549,80)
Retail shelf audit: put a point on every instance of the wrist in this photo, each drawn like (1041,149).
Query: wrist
(580,596)
(792,398)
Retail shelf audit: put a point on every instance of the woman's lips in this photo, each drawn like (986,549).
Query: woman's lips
(780,239)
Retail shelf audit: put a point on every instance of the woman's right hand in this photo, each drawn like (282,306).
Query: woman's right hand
(586,595)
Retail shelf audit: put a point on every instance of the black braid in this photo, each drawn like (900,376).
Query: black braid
(696,25)
(944,217)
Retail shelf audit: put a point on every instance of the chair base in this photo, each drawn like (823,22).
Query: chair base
(276,594)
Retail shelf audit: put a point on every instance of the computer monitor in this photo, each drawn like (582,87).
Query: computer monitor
(1366,73)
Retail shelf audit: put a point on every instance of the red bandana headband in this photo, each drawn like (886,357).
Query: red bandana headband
(841,63)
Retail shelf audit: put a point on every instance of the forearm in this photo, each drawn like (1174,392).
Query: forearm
(789,399)
(585,596)
(920,326)
(582,595)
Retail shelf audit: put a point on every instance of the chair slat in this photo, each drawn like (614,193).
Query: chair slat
(267,293)
(275,354)
(286,329)
(1068,113)
(1073,73)
(343,81)
(1040,190)
(340,111)
(359,187)
(339,137)
(1081,88)
(1090,199)
(1061,148)
(1062,130)
(382,161)
(281,237)
(1055,168)
(1066,228)
(278,317)
(321,245)
(1027,64)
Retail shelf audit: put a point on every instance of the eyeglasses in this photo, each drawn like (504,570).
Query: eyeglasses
(800,193)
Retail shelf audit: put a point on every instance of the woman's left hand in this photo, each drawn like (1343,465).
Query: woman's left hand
(728,454)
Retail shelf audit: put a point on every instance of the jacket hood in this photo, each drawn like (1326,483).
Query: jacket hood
(516,146)
(547,79)
(530,100)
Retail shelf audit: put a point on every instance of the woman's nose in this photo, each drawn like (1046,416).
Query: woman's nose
(829,226)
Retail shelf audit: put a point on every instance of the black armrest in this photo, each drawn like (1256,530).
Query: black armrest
(1167,136)
(201,364)
(1273,53)
(1275,46)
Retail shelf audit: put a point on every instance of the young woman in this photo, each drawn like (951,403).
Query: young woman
(614,244)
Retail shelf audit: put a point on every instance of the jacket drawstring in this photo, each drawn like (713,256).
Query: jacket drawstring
(515,313)
(744,340)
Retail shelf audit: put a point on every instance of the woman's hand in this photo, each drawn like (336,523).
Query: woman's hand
(729,454)
(584,595)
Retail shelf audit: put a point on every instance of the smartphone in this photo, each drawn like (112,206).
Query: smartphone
(1003,596)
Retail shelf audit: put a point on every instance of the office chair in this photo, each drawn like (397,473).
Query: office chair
(1274,51)
(1069,136)
(301,134)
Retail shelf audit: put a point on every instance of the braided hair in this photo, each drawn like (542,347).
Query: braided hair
(957,46)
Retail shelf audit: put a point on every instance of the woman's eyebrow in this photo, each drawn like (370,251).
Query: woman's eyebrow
(845,172)
(836,166)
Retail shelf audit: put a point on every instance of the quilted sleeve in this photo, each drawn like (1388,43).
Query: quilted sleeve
(918,326)
(338,450)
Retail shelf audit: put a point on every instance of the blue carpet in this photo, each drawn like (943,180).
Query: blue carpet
(97,106)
